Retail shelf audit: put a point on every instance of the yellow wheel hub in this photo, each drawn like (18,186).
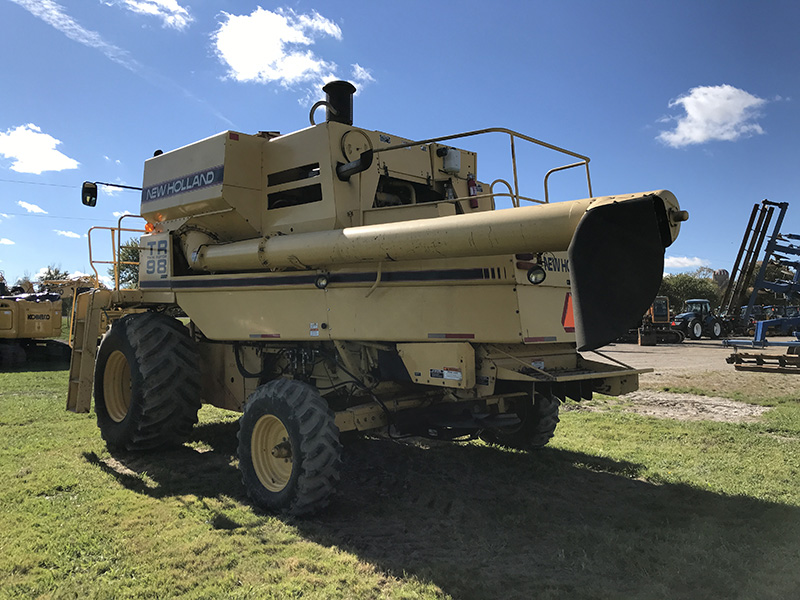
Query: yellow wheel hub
(117,386)
(271,452)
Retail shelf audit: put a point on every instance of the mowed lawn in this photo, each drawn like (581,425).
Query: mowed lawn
(618,506)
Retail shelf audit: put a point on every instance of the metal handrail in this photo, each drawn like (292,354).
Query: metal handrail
(564,168)
(584,160)
(116,246)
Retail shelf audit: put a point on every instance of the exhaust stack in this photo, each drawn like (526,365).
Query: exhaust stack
(339,102)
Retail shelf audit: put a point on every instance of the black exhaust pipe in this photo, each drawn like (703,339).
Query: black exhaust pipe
(339,101)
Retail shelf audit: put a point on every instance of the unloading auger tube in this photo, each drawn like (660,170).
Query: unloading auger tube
(616,249)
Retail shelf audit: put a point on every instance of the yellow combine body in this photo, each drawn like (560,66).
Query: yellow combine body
(342,279)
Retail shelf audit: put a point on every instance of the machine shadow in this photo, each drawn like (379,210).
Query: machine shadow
(480,522)
(202,471)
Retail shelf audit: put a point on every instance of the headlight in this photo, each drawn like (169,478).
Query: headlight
(536,274)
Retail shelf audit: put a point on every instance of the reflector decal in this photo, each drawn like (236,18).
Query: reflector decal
(567,317)
(261,336)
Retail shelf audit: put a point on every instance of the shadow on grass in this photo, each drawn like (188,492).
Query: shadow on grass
(480,522)
(184,470)
(36,366)
(33,355)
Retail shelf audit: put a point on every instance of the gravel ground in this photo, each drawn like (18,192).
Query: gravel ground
(691,355)
(694,364)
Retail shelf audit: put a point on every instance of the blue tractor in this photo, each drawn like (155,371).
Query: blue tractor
(698,320)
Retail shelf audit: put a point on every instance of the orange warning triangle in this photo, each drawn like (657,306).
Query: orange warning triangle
(567,318)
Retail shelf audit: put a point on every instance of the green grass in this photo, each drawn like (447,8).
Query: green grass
(768,399)
(619,505)
(71,526)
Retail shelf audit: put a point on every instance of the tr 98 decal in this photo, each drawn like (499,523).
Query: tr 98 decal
(154,261)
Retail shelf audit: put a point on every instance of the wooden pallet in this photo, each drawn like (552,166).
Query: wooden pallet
(760,361)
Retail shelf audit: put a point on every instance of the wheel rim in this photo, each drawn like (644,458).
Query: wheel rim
(698,330)
(117,386)
(272,453)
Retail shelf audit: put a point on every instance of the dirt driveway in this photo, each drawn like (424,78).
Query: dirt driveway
(700,355)
(693,381)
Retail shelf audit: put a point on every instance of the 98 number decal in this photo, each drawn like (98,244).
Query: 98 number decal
(156,261)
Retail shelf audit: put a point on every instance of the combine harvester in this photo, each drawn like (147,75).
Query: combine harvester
(342,279)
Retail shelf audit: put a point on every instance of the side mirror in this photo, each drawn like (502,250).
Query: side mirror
(89,193)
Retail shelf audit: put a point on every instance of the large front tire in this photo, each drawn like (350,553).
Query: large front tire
(289,450)
(538,421)
(695,329)
(147,383)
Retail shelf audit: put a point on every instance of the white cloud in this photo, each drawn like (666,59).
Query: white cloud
(170,12)
(32,208)
(109,191)
(53,14)
(361,75)
(6,242)
(267,47)
(69,234)
(33,151)
(121,213)
(684,262)
(712,113)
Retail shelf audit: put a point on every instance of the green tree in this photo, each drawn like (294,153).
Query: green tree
(51,277)
(128,264)
(681,287)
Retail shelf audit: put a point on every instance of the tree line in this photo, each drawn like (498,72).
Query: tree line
(710,285)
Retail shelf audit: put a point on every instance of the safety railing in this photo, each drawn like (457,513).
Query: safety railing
(116,248)
(513,189)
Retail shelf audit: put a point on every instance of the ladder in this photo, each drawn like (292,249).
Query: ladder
(87,313)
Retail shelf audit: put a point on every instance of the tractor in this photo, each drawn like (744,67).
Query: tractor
(698,320)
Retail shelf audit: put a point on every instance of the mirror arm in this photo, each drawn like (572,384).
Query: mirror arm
(117,185)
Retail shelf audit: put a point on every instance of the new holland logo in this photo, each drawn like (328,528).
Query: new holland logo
(187,183)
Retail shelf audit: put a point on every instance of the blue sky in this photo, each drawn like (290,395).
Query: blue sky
(700,98)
